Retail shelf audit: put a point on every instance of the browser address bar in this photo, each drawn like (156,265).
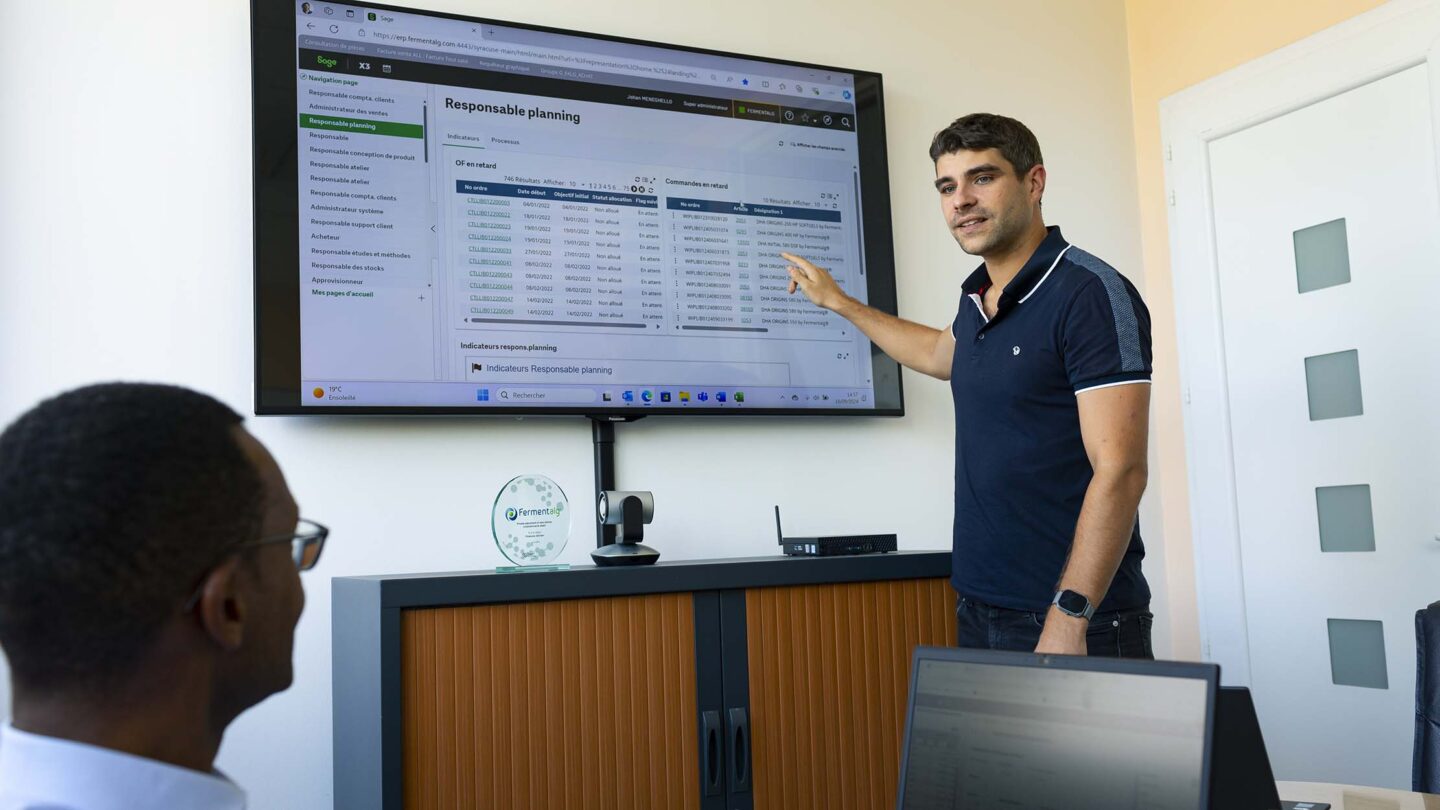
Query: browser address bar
(542,55)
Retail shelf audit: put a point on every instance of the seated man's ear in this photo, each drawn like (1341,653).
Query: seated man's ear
(222,609)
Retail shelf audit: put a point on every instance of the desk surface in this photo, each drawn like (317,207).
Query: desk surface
(1350,797)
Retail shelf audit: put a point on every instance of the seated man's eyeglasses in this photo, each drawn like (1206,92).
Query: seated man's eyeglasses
(306,543)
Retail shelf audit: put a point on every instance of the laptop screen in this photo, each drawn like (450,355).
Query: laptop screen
(990,730)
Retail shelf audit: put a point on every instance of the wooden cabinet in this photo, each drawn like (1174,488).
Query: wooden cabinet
(712,685)
(571,703)
(829,674)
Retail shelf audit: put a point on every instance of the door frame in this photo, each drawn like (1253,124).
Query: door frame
(1393,37)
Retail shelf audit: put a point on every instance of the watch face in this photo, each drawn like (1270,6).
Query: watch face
(1072,602)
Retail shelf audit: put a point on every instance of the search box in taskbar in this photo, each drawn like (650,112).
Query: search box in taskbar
(560,396)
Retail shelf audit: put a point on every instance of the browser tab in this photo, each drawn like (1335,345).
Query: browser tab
(757,112)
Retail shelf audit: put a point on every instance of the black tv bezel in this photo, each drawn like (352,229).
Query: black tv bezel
(273,29)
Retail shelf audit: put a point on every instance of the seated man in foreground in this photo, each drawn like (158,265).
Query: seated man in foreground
(150,553)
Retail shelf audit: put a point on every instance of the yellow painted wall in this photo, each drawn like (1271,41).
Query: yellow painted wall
(1174,44)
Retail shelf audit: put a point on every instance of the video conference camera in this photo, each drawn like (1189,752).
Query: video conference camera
(630,511)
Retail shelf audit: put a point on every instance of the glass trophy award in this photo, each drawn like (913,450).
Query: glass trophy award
(530,523)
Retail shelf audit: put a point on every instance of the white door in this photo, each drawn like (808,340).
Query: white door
(1327,247)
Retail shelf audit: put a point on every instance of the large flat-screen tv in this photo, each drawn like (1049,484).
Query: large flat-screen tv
(458,215)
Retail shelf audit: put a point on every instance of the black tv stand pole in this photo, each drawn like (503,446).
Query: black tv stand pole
(603,434)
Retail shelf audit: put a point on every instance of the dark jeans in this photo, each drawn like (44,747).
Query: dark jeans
(1113,633)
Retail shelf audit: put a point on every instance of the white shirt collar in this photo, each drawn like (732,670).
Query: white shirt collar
(55,774)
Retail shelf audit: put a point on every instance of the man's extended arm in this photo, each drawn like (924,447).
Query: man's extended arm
(916,346)
(1115,425)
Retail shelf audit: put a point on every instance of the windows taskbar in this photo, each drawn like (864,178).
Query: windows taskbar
(620,397)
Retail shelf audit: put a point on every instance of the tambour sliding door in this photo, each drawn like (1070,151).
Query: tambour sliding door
(581,703)
(827,676)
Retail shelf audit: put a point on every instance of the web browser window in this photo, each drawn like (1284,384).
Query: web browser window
(494,215)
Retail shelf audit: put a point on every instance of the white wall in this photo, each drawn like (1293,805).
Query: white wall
(125,253)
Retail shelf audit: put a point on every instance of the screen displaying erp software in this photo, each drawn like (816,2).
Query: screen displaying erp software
(494,216)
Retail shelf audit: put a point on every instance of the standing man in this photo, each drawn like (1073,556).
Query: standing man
(1048,359)
(150,553)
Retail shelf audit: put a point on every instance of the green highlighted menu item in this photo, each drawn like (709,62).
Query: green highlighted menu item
(363,126)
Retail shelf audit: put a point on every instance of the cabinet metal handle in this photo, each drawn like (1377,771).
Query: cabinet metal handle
(710,727)
(739,750)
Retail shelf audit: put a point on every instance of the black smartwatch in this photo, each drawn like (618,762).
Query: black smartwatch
(1074,603)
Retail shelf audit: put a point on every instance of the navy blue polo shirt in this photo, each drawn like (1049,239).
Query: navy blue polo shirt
(1067,323)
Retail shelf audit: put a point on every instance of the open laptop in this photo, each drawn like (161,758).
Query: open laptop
(987,729)
(1241,778)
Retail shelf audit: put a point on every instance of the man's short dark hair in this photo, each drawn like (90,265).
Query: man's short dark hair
(114,501)
(979,131)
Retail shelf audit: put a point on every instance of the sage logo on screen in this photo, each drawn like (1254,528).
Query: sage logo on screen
(512,513)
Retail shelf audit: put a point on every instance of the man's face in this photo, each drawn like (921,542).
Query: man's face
(276,595)
(987,205)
